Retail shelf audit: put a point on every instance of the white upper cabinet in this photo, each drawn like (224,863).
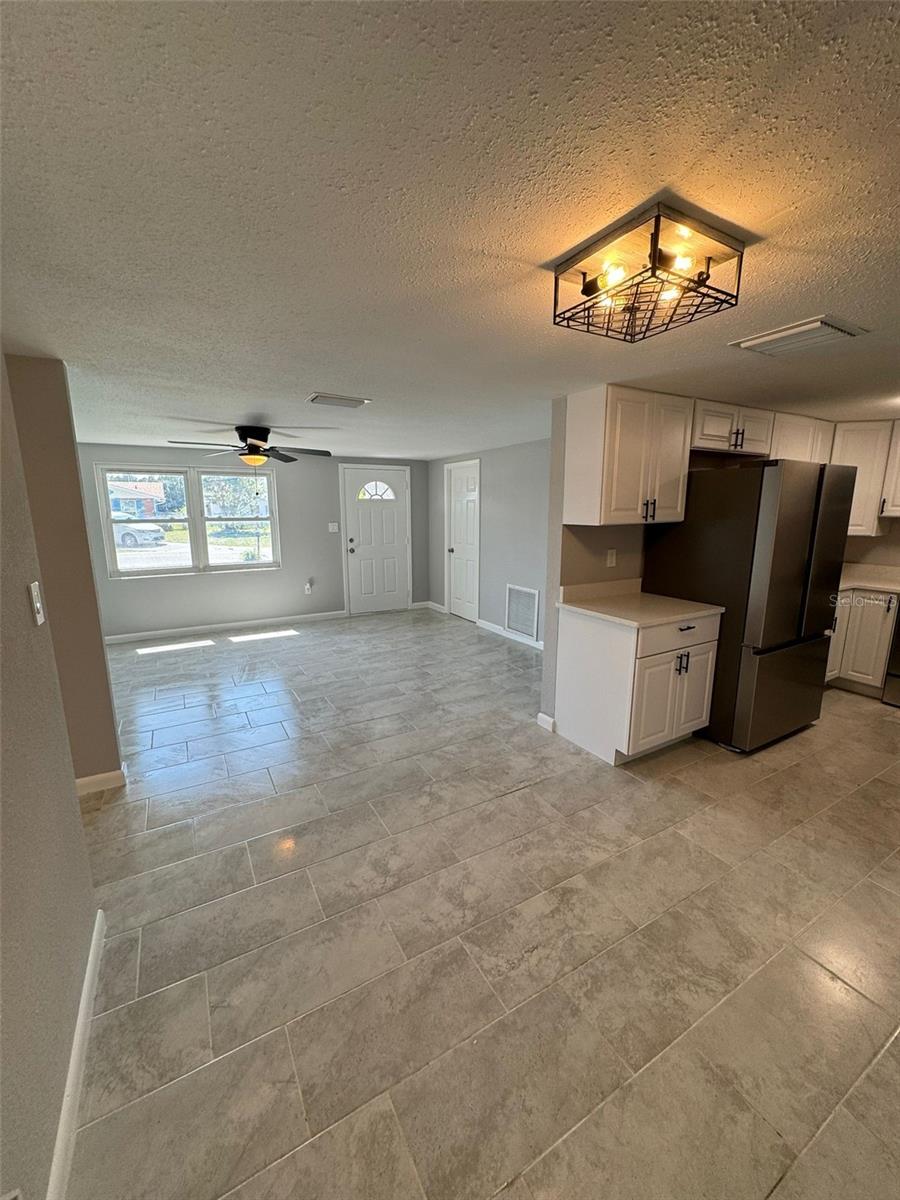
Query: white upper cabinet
(891,490)
(864,445)
(804,439)
(715,425)
(672,416)
(627,455)
(822,440)
(755,430)
(732,428)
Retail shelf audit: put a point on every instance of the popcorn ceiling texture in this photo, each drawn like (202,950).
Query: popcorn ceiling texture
(213,209)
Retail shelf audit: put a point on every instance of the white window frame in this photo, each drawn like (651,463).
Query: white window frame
(196,520)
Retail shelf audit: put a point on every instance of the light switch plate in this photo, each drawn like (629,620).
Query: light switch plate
(37,604)
(333,527)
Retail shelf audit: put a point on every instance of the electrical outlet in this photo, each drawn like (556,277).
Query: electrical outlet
(308,589)
(610,558)
(333,527)
(37,604)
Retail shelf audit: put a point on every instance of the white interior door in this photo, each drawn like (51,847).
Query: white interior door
(463,531)
(376,538)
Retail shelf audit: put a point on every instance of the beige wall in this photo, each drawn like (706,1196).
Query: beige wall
(40,396)
(46,895)
(881,551)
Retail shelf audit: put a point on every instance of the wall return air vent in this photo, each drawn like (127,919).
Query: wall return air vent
(803,335)
(522,610)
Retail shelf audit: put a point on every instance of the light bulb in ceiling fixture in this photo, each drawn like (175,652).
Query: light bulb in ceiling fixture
(615,273)
(670,293)
(684,232)
(683,262)
(253,460)
(607,302)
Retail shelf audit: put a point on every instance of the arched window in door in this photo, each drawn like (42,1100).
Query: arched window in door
(375,490)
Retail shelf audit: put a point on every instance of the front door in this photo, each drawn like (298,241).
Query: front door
(376,538)
(463,532)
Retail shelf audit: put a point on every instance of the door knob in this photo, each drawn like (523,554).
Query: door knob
(351,551)
(450,551)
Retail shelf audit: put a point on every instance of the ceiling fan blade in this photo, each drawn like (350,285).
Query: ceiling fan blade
(277,454)
(304,450)
(217,453)
(290,429)
(208,445)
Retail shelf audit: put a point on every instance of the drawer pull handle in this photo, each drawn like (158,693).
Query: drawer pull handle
(685,628)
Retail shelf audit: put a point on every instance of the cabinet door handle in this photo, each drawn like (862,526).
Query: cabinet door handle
(687,661)
(678,658)
(890,603)
(685,628)
(741,442)
(883,506)
(653,509)
(645,507)
(735,437)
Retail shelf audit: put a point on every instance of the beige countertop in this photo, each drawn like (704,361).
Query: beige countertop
(870,578)
(643,609)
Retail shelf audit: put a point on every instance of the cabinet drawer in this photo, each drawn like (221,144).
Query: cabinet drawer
(677,635)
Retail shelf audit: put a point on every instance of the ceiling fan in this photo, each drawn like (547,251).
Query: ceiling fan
(254,448)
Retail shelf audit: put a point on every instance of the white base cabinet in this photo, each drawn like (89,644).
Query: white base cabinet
(672,695)
(838,635)
(618,700)
(862,641)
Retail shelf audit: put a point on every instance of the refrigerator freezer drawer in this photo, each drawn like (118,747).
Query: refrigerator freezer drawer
(779,691)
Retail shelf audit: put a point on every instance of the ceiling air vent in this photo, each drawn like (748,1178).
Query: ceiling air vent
(804,335)
(326,399)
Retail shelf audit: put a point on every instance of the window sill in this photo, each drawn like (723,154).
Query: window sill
(119,578)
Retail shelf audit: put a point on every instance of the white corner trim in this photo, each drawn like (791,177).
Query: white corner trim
(429,604)
(546,722)
(68,1115)
(99,783)
(509,633)
(151,635)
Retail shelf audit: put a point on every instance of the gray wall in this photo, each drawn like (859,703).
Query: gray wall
(46,894)
(40,396)
(515,484)
(308,498)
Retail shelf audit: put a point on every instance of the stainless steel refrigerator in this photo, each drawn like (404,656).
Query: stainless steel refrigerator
(766,540)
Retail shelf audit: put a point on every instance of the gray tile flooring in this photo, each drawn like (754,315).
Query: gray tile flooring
(375,935)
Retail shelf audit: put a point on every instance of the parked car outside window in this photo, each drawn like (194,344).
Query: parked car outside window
(138,535)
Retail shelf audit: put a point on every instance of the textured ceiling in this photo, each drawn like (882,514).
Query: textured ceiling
(211,210)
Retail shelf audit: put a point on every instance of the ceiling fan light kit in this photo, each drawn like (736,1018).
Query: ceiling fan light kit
(655,271)
(254,448)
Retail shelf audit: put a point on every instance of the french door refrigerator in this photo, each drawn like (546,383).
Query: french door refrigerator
(765,540)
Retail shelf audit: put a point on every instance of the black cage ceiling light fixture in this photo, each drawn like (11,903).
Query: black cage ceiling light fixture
(653,272)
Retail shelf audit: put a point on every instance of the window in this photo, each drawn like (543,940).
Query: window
(177,521)
(376,490)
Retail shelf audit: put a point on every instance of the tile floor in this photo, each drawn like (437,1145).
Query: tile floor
(374,935)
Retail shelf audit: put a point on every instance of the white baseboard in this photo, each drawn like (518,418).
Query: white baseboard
(68,1116)
(430,604)
(546,722)
(99,783)
(152,635)
(509,633)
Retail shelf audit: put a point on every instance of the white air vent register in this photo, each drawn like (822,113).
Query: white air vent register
(522,610)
